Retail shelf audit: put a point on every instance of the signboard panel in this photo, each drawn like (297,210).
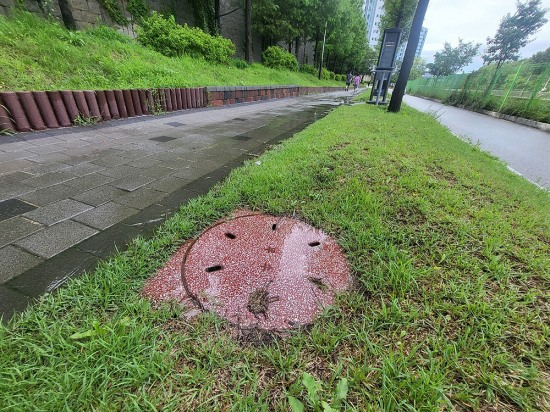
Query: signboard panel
(389,47)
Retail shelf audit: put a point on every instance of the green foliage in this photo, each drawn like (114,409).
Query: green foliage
(308,68)
(326,74)
(418,68)
(541,56)
(398,13)
(164,35)
(203,12)
(514,32)
(314,395)
(294,22)
(452,59)
(115,13)
(73,38)
(137,9)
(514,88)
(239,63)
(278,58)
(37,56)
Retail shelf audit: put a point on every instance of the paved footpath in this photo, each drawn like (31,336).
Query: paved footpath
(526,150)
(70,197)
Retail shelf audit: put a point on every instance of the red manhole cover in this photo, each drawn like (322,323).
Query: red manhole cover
(265,271)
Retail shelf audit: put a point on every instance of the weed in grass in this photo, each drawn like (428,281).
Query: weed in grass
(85,121)
(450,255)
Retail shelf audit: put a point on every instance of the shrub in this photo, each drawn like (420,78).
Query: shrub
(308,68)
(326,74)
(171,39)
(278,58)
(239,63)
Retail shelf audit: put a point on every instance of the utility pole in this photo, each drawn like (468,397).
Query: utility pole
(408,59)
(248,13)
(323,51)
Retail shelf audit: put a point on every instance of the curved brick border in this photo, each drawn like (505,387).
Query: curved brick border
(27,111)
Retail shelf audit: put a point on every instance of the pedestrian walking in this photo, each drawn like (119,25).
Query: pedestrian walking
(356,82)
(349,78)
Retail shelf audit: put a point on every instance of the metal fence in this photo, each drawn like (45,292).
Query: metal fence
(519,89)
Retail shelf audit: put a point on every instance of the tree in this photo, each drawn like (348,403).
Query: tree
(398,14)
(452,59)
(418,68)
(541,57)
(514,32)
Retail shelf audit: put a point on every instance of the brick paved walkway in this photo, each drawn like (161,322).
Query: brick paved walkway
(70,197)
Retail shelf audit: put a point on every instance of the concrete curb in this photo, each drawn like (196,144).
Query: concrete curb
(545,127)
(31,111)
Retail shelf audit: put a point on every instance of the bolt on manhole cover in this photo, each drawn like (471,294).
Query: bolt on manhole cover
(267,272)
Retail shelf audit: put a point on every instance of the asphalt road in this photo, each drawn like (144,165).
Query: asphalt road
(526,150)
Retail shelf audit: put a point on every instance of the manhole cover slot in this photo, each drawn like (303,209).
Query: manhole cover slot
(274,278)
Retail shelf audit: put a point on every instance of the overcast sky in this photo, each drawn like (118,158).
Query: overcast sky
(447,20)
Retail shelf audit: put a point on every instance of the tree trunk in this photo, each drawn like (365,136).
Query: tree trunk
(304,54)
(248,14)
(297,42)
(67,14)
(317,40)
(217,18)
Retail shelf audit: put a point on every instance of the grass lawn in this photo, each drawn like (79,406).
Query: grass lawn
(450,252)
(39,55)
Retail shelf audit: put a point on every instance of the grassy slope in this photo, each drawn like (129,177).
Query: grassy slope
(451,255)
(38,55)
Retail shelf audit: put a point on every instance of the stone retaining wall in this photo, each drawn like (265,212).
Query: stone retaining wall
(32,111)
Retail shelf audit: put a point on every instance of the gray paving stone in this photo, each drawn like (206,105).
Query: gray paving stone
(48,179)
(57,212)
(90,181)
(115,238)
(11,301)
(15,165)
(140,198)
(105,215)
(53,273)
(168,184)
(131,183)
(156,171)
(121,171)
(14,207)
(99,195)
(14,177)
(15,228)
(43,168)
(55,239)
(51,157)
(190,173)
(83,169)
(43,197)
(111,161)
(15,261)
(11,190)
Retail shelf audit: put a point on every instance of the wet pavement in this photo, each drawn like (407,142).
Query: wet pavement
(526,150)
(70,197)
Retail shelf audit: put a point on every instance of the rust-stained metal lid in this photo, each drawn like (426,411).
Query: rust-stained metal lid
(269,272)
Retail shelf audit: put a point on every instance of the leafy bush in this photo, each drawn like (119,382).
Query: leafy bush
(278,58)
(340,77)
(326,74)
(239,63)
(171,39)
(308,68)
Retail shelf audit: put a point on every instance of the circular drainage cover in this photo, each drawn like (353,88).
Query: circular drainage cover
(263,271)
